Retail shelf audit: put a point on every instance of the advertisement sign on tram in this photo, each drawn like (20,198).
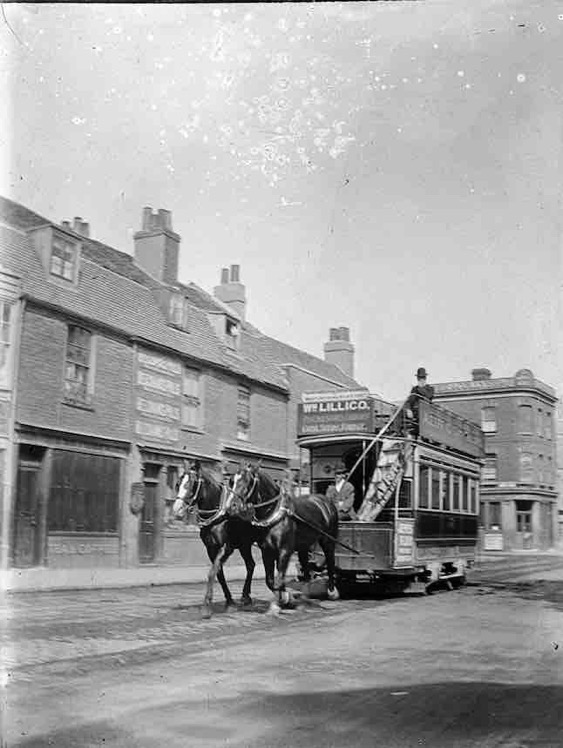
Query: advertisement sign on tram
(349,411)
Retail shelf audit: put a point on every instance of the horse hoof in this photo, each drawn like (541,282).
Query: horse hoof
(231,607)
(333,594)
(285,597)
(274,609)
(206,612)
(246,602)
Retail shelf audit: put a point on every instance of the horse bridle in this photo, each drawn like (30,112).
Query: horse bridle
(246,498)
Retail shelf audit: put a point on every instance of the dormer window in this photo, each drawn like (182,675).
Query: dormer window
(63,258)
(232,333)
(179,311)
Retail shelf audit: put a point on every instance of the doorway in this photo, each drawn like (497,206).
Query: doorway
(29,509)
(148,517)
(524,528)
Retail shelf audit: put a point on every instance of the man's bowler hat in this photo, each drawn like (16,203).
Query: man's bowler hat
(421,373)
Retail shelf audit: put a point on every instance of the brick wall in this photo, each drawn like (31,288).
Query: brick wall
(508,443)
(41,380)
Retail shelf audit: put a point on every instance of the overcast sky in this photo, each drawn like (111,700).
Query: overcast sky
(394,167)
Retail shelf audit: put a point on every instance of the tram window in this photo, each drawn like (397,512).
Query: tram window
(405,501)
(464,494)
(446,492)
(472,496)
(456,492)
(423,493)
(435,500)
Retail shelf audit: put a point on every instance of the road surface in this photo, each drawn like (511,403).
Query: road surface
(479,667)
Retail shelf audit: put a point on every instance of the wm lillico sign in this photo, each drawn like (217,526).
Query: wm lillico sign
(345,411)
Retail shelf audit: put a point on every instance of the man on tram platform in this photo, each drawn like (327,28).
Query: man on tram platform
(342,494)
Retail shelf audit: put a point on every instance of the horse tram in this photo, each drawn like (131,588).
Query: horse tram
(415,485)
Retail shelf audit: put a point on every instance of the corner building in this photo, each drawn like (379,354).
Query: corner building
(519,504)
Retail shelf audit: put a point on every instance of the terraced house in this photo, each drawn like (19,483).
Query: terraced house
(113,372)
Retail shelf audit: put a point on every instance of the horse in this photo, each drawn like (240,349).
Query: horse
(281,524)
(221,534)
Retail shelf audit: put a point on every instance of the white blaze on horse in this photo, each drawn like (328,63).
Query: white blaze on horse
(200,491)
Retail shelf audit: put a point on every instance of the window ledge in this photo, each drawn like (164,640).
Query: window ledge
(192,429)
(78,405)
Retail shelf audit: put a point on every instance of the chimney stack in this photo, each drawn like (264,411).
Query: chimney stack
(157,247)
(480,375)
(231,291)
(339,350)
(78,226)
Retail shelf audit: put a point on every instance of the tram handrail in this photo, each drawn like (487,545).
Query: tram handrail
(377,438)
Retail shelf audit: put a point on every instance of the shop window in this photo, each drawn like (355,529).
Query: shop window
(423,491)
(78,384)
(493,515)
(489,419)
(84,495)
(525,419)
(192,399)
(243,414)
(489,472)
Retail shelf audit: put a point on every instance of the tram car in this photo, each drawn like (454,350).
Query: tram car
(416,487)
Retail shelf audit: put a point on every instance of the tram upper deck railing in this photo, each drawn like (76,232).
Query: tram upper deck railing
(341,413)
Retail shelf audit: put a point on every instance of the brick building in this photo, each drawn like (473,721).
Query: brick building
(112,373)
(519,477)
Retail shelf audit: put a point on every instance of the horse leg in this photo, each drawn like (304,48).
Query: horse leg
(303,556)
(212,551)
(216,567)
(284,557)
(328,550)
(246,553)
(269,560)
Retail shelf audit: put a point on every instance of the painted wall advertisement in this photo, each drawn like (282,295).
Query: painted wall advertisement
(335,412)
(157,398)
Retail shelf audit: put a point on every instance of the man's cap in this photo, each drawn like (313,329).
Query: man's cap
(421,373)
(340,468)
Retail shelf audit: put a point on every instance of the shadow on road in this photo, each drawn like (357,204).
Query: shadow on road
(441,715)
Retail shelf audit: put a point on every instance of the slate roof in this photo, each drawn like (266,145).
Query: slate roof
(116,292)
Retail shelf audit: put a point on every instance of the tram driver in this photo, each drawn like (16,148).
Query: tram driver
(342,494)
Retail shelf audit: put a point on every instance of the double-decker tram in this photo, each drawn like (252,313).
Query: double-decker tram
(414,520)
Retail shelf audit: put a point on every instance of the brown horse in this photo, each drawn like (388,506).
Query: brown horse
(221,534)
(282,524)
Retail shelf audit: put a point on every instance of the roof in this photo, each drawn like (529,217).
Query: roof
(118,293)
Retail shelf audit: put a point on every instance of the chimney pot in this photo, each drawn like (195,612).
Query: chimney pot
(65,224)
(480,374)
(224,276)
(147,219)
(235,273)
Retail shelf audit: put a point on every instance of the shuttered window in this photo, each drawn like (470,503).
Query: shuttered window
(192,405)
(84,495)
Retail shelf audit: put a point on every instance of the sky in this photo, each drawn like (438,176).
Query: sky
(392,167)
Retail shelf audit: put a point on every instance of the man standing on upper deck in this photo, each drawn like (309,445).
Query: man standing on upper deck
(421,391)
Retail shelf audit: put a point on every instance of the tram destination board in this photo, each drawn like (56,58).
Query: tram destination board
(335,413)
